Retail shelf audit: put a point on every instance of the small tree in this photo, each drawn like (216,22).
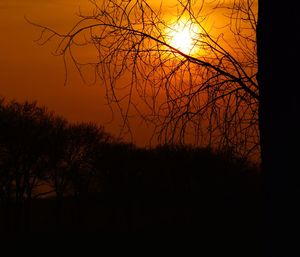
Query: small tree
(72,156)
(205,92)
(24,134)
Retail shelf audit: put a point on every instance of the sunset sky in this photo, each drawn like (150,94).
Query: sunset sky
(29,71)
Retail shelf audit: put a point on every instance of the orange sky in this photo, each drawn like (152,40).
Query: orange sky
(30,72)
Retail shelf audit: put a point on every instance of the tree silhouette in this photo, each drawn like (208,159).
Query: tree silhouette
(82,143)
(24,136)
(38,148)
(207,94)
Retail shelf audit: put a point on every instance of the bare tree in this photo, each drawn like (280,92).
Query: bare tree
(203,92)
(72,154)
(23,148)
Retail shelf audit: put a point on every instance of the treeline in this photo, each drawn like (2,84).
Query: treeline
(41,154)
(40,150)
(65,180)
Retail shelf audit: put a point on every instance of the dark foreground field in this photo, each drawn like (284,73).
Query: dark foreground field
(221,221)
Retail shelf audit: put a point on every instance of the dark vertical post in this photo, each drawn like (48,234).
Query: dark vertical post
(278,44)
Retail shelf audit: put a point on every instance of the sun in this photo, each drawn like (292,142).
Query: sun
(184,35)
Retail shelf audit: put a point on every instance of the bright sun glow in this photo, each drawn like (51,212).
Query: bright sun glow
(183,36)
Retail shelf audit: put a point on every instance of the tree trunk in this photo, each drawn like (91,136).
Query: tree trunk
(278,56)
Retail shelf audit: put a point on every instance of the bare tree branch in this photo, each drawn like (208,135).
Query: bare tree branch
(207,95)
